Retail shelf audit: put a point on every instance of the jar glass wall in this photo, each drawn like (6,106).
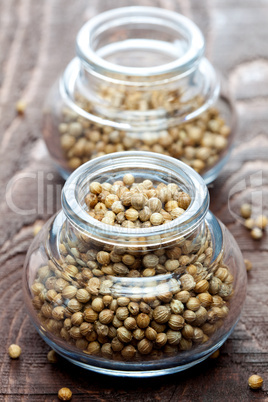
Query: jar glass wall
(135,300)
(140,82)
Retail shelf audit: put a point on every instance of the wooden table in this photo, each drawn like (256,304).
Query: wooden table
(37,40)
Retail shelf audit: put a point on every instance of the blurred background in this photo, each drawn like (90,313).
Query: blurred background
(38,40)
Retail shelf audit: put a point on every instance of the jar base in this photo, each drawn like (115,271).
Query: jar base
(208,176)
(132,373)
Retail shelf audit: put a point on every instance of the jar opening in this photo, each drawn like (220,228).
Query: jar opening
(147,165)
(140,42)
(140,64)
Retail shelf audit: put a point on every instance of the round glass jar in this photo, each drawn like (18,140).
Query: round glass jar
(140,81)
(141,301)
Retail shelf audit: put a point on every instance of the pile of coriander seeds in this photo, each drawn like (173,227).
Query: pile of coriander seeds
(113,301)
(198,143)
(133,205)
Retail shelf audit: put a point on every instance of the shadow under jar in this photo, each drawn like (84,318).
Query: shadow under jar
(134,301)
(140,81)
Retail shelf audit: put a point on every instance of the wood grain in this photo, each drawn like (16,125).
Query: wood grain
(37,40)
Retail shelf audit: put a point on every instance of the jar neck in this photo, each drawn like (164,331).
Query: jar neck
(136,43)
(143,165)
(140,64)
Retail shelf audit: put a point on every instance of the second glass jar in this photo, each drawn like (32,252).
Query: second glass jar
(140,82)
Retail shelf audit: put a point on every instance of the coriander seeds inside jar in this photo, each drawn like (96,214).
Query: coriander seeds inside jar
(134,277)
(140,81)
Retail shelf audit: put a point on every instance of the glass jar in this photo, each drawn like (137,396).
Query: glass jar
(140,81)
(141,301)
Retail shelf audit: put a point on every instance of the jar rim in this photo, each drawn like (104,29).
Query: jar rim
(180,23)
(123,162)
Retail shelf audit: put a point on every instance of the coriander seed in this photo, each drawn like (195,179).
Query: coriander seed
(161,339)
(130,323)
(255,381)
(173,337)
(132,214)
(14,351)
(171,265)
(128,259)
(215,355)
(118,207)
(97,304)
(155,205)
(82,295)
(21,107)
(150,334)
(52,356)
(176,306)
(256,233)
(187,331)
(138,334)
(245,210)
(161,314)
(124,335)
(182,296)
(145,346)
(145,214)
(77,319)
(122,313)
(249,223)
(65,394)
(95,187)
(128,352)
(138,201)
(187,282)
(90,315)
(150,260)
(123,301)
(93,348)
(110,200)
(103,257)
(156,219)
(248,265)
(261,221)
(128,179)
(184,200)
(143,320)
(106,316)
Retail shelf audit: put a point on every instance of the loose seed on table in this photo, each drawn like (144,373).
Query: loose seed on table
(255,381)
(261,221)
(37,229)
(14,351)
(52,356)
(65,394)
(249,223)
(21,107)
(215,355)
(245,211)
(248,264)
(256,233)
